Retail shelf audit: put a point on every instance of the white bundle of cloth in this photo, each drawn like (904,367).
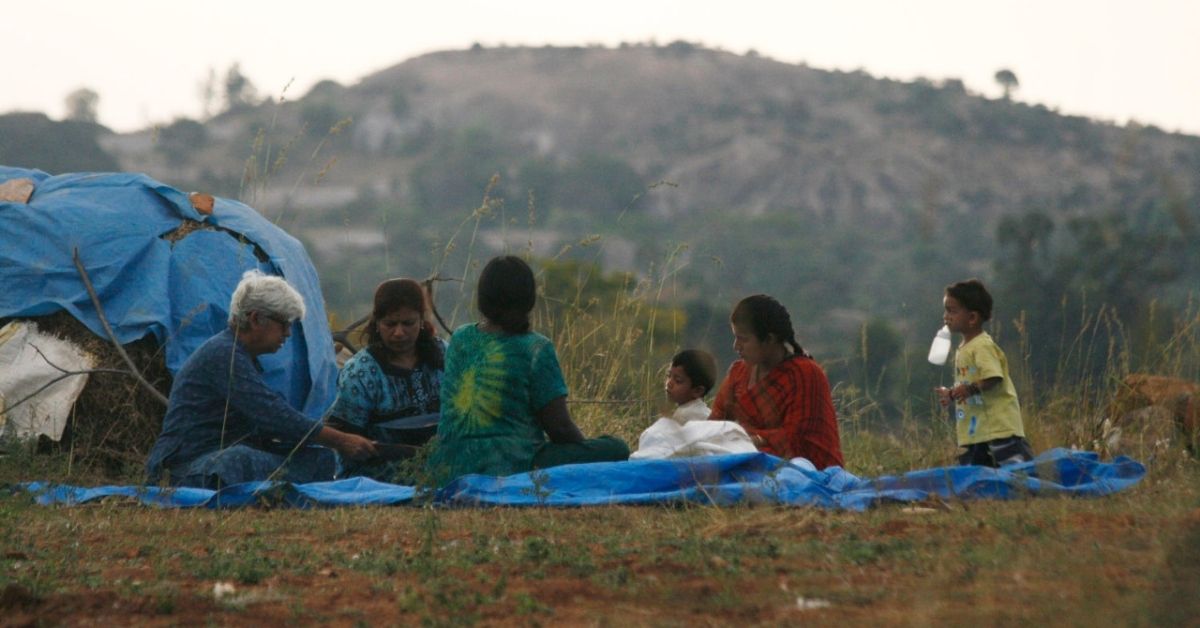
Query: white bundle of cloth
(688,433)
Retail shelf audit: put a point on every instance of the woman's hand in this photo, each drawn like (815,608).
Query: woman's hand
(356,447)
(352,446)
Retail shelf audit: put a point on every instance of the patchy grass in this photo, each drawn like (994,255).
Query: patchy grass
(1125,559)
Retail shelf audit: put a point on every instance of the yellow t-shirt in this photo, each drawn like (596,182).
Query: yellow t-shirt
(995,413)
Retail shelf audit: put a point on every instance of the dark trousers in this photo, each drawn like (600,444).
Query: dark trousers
(600,449)
(242,463)
(997,453)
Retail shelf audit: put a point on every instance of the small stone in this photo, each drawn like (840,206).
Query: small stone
(811,603)
(223,589)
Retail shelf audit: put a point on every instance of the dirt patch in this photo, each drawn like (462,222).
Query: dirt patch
(1105,561)
(637,568)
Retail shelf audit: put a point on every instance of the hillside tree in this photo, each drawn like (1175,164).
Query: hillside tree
(82,105)
(1007,81)
(239,91)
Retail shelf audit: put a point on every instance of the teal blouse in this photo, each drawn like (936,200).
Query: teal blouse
(492,388)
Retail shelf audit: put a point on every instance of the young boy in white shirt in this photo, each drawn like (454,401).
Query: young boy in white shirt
(688,432)
(692,375)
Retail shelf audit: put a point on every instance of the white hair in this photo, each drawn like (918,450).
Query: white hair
(270,295)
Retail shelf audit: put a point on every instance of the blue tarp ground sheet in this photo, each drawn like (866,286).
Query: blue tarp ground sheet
(721,480)
(178,291)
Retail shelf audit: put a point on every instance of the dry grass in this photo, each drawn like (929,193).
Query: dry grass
(115,420)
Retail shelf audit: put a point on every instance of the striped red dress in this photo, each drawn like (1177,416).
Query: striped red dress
(790,408)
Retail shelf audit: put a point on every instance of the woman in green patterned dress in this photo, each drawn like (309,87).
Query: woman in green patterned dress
(504,400)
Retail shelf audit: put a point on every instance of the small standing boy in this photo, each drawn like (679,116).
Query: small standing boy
(692,374)
(987,412)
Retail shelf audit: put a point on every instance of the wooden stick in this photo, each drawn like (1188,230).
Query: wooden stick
(87,283)
(608,401)
(432,307)
(65,374)
(54,381)
(344,335)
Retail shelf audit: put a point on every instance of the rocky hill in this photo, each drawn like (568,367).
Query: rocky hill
(737,133)
(853,196)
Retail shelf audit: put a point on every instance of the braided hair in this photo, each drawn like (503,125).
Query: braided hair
(392,295)
(764,316)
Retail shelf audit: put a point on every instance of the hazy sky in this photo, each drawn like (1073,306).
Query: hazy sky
(1112,59)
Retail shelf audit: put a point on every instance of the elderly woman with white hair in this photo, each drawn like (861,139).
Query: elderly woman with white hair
(224,425)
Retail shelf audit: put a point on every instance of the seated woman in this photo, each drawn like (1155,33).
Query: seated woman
(389,392)
(504,400)
(776,390)
(225,424)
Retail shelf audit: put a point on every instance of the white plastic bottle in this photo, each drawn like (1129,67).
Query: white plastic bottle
(940,349)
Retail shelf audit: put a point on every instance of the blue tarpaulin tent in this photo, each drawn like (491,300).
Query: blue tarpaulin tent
(178,291)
